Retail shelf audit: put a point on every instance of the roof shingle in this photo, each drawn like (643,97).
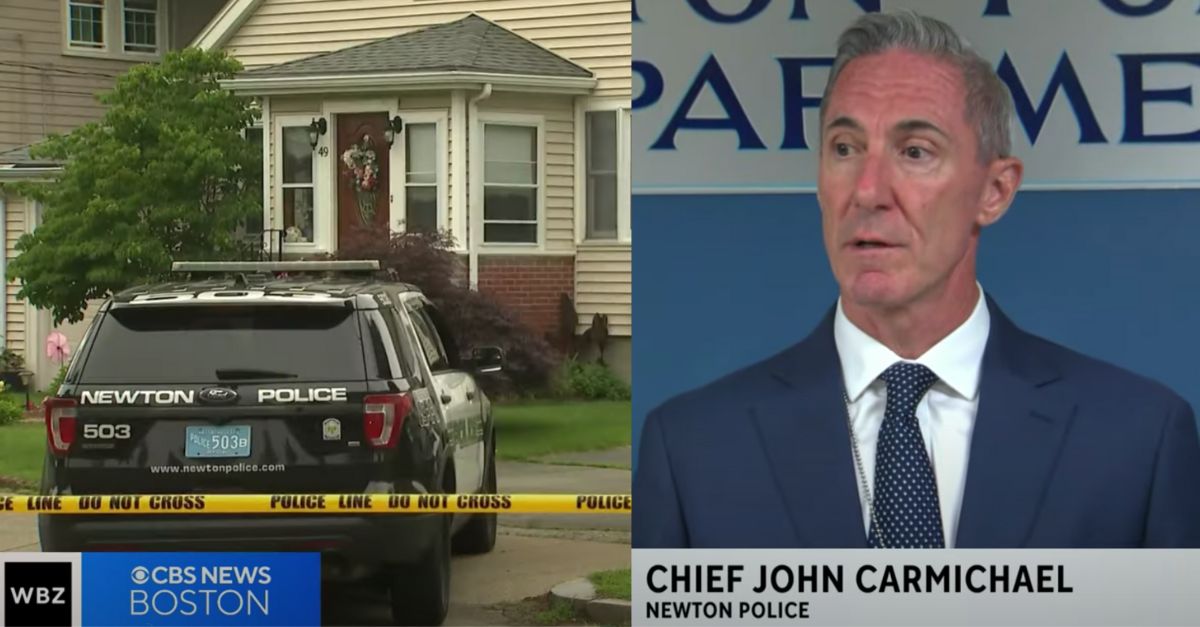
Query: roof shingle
(20,157)
(470,44)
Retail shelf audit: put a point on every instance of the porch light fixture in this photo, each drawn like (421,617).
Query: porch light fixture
(315,130)
(394,127)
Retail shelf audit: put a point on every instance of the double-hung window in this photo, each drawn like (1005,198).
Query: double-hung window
(606,172)
(511,183)
(140,25)
(421,179)
(85,24)
(424,172)
(295,188)
(135,26)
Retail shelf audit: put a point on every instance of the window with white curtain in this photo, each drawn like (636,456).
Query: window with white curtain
(602,180)
(421,178)
(510,184)
(296,187)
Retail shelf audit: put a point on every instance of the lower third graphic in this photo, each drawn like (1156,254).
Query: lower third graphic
(202,588)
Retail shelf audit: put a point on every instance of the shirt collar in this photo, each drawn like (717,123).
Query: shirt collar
(956,359)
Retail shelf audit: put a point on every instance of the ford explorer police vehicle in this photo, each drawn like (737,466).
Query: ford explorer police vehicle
(240,379)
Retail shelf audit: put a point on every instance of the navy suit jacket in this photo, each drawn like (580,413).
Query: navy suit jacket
(1067,452)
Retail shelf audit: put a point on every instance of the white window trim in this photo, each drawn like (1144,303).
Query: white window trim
(321,227)
(105,17)
(458,138)
(268,215)
(159,32)
(624,171)
(114,33)
(477,152)
(398,161)
(266,173)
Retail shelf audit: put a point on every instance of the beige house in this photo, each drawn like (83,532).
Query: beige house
(505,122)
(55,55)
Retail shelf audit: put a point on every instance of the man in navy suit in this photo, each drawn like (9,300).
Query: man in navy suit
(917,414)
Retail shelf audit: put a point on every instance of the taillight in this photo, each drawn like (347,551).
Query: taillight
(383,416)
(60,424)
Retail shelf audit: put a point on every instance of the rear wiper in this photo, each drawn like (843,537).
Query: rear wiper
(251,373)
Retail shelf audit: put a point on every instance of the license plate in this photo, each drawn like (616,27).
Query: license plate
(218,441)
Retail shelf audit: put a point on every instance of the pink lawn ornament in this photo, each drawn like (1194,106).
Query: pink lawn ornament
(57,347)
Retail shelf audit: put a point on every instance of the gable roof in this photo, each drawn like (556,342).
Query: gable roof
(20,157)
(225,23)
(17,164)
(470,44)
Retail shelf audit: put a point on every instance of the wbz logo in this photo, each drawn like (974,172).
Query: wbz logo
(37,593)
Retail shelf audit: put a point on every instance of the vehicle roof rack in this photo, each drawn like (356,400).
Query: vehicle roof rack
(267,267)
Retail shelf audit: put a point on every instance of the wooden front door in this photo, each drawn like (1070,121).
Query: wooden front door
(363,194)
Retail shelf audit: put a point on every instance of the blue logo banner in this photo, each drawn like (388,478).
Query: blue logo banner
(201,589)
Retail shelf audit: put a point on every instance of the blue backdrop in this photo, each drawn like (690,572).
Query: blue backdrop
(721,281)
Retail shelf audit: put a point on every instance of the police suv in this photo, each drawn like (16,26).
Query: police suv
(269,378)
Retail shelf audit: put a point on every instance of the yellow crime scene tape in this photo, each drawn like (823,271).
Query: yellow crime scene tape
(318,503)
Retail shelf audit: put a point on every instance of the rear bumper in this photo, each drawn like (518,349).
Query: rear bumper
(350,545)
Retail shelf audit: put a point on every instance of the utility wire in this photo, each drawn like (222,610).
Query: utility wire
(51,68)
(44,77)
(51,92)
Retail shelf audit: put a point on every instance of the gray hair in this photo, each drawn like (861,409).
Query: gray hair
(988,105)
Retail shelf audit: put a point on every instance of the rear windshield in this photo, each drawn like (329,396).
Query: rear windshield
(164,344)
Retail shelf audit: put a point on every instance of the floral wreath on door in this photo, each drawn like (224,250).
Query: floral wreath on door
(363,174)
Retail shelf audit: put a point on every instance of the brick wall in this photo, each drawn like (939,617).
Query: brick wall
(530,285)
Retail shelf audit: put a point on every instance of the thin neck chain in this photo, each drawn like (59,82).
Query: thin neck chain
(862,476)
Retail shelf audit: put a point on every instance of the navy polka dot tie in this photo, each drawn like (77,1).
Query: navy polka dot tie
(907,514)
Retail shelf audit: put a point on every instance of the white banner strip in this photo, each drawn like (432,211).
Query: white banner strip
(916,587)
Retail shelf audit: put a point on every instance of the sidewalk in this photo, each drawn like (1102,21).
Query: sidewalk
(535,478)
(18,532)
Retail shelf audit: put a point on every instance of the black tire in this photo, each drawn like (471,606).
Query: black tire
(420,593)
(479,534)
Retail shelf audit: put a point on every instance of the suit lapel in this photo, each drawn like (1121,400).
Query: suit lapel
(806,440)
(1019,429)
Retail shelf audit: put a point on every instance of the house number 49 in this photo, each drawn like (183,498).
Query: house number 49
(323,151)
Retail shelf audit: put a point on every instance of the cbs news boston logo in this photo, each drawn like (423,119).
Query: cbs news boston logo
(201,588)
(161,588)
(205,591)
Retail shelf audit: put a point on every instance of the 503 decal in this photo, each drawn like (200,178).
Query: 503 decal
(106,432)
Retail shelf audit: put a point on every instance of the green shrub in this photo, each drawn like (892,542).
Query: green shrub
(52,389)
(10,411)
(590,381)
(475,318)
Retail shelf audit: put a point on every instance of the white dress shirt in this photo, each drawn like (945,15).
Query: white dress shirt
(946,413)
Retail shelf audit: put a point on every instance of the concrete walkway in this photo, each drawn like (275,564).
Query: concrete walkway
(18,532)
(526,478)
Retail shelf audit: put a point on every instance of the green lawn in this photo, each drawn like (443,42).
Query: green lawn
(559,613)
(612,584)
(21,449)
(527,430)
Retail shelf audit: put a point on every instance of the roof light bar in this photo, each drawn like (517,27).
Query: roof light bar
(274,266)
